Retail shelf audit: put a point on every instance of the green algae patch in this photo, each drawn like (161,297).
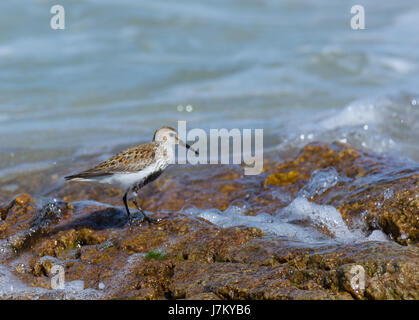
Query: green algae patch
(156,255)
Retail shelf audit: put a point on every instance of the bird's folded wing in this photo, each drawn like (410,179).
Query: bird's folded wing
(131,160)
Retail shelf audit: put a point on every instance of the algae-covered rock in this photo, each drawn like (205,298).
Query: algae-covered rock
(187,257)
(382,192)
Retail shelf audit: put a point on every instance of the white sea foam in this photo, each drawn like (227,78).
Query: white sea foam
(300,220)
(377,235)
(398,65)
(386,124)
(321,180)
(356,113)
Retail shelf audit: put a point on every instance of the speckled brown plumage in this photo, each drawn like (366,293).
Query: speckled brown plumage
(131,160)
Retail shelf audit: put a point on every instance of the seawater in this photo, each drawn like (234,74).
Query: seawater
(121,69)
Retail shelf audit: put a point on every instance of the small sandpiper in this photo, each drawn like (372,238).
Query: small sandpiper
(133,168)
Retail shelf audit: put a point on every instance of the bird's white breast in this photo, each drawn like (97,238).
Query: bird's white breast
(127,180)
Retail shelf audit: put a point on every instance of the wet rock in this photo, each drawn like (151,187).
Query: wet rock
(17,207)
(205,296)
(210,244)
(382,192)
(187,257)
(206,261)
(397,216)
(297,172)
(25,222)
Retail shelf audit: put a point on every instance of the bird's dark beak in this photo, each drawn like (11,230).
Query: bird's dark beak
(187,146)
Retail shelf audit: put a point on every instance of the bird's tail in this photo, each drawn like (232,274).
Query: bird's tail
(72,177)
(88,175)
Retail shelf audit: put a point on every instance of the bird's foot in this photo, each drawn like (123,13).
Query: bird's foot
(137,219)
(151,220)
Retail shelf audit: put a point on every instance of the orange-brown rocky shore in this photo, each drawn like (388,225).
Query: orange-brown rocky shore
(188,257)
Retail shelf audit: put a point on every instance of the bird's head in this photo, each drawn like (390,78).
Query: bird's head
(168,135)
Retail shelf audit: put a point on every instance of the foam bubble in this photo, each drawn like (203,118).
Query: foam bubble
(377,235)
(321,181)
(322,216)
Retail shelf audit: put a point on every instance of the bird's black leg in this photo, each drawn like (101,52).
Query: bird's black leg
(147,218)
(126,206)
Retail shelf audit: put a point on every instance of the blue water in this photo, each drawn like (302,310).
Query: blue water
(121,68)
